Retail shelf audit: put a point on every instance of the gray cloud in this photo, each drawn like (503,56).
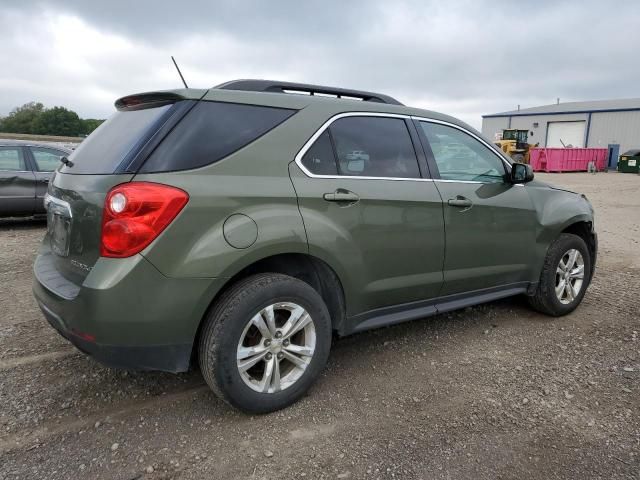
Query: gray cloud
(465,58)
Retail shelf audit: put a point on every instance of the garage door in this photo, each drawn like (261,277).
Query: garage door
(567,133)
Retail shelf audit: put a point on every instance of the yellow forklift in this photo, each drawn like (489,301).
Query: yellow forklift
(514,143)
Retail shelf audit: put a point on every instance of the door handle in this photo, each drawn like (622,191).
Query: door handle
(341,196)
(44,180)
(460,201)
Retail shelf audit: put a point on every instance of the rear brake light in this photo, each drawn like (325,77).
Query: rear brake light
(134,215)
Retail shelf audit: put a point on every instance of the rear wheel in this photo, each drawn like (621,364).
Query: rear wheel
(265,342)
(565,276)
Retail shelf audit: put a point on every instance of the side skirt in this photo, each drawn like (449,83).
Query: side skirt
(382,317)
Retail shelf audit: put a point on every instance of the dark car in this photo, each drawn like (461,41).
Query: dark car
(25,170)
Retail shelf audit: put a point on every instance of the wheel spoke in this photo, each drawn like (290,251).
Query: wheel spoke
(302,322)
(578,272)
(269,316)
(560,288)
(258,321)
(569,290)
(247,364)
(275,381)
(246,352)
(562,266)
(267,376)
(299,350)
(294,317)
(573,254)
(297,361)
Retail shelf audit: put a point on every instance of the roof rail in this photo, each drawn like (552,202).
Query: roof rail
(304,88)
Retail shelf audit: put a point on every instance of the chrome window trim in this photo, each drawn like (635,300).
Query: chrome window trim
(327,124)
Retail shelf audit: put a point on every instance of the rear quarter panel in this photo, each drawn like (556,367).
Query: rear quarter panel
(253,181)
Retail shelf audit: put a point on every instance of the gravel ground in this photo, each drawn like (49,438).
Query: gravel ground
(495,391)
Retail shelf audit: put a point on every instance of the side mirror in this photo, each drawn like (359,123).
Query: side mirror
(521,173)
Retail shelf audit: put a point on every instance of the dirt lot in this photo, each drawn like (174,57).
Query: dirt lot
(490,392)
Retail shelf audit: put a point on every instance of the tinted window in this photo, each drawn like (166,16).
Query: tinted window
(11,159)
(374,147)
(459,156)
(320,159)
(212,131)
(110,143)
(47,159)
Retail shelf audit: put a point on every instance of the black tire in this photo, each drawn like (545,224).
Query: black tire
(225,325)
(545,300)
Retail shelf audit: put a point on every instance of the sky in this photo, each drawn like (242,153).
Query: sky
(465,58)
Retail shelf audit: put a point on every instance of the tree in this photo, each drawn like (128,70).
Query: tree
(22,119)
(90,124)
(59,121)
(33,118)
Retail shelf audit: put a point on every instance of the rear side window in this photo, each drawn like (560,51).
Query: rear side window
(11,159)
(105,149)
(374,147)
(319,159)
(211,132)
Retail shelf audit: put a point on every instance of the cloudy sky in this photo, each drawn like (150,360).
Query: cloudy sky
(464,58)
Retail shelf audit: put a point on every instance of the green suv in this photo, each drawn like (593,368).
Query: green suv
(240,227)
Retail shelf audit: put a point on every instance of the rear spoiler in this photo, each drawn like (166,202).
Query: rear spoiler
(139,101)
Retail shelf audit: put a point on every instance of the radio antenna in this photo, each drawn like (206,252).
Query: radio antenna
(179,72)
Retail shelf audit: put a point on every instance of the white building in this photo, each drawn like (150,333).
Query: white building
(580,124)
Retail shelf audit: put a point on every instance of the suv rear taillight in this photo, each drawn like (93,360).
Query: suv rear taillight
(134,215)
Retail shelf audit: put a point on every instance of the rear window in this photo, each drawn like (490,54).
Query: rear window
(211,132)
(113,141)
(632,153)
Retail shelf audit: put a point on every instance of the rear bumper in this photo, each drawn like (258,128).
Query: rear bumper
(168,358)
(126,314)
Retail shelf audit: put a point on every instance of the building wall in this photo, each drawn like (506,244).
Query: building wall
(615,127)
(493,125)
(607,127)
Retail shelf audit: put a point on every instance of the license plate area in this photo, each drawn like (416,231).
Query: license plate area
(59,219)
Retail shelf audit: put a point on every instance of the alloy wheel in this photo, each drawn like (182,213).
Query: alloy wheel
(276,347)
(569,276)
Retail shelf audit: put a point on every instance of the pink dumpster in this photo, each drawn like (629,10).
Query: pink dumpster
(567,159)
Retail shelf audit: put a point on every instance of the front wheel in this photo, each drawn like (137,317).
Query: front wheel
(265,342)
(565,276)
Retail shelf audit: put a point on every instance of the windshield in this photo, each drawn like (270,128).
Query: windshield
(123,133)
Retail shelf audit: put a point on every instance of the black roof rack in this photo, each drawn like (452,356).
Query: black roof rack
(291,87)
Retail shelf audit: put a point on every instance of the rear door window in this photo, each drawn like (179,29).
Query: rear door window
(211,132)
(47,159)
(106,148)
(11,159)
(374,147)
